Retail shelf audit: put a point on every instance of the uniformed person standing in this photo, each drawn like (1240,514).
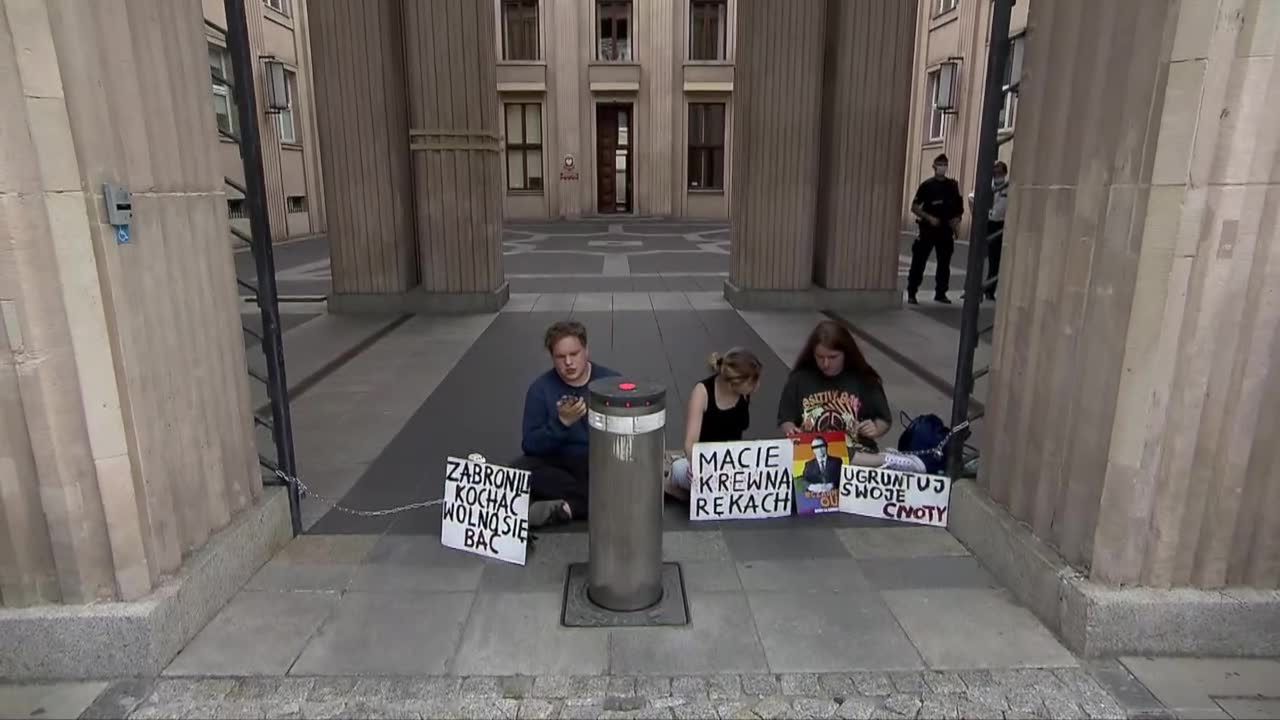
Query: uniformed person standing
(938,207)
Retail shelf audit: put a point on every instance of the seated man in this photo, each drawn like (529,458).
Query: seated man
(554,433)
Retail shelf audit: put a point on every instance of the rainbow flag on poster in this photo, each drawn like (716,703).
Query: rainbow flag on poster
(818,461)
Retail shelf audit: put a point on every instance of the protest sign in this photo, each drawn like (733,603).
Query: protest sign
(816,467)
(894,495)
(740,480)
(485,509)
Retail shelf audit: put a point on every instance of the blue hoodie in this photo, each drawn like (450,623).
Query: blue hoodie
(542,432)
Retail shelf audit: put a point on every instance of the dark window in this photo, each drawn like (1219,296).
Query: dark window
(297,203)
(524,146)
(520,29)
(236,209)
(615,30)
(707,29)
(706,146)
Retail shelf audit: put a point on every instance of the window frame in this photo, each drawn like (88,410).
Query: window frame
(280,6)
(525,148)
(290,87)
(508,5)
(721,16)
(701,153)
(932,82)
(943,7)
(1009,105)
(289,201)
(618,57)
(221,88)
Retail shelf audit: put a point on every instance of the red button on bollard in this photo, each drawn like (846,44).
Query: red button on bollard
(627,386)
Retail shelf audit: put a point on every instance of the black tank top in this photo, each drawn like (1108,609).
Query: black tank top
(723,425)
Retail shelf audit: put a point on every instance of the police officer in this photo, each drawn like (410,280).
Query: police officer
(938,207)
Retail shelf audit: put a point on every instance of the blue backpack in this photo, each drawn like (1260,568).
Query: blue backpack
(923,435)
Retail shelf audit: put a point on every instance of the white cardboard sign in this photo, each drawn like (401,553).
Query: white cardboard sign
(486,509)
(745,480)
(895,495)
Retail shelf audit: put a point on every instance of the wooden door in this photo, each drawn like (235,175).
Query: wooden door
(606,149)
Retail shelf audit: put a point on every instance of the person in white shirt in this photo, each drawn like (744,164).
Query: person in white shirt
(995,221)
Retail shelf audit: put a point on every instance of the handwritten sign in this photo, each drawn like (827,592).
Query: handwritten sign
(894,495)
(486,509)
(741,480)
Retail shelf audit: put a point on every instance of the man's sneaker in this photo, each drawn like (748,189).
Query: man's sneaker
(912,300)
(941,298)
(902,463)
(548,512)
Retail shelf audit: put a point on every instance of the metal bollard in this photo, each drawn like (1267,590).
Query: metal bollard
(627,420)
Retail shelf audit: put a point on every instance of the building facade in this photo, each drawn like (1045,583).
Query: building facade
(615,106)
(278,29)
(947,86)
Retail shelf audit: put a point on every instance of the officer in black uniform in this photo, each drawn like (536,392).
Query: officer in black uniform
(938,207)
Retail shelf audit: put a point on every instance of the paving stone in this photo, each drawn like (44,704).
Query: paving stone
(978,678)
(944,682)
(724,687)
(872,683)
(1095,701)
(837,684)
(940,707)
(365,709)
(652,687)
(330,690)
(481,708)
(908,682)
(774,706)
(553,686)
(580,712)
(858,708)
(537,710)
(992,696)
(906,705)
(761,685)
(739,709)
(801,684)
(621,686)
(671,701)
(689,686)
(590,687)
(190,690)
(119,699)
(814,707)
(481,686)
(517,687)
(434,687)
(700,710)
(1059,707)
(623,703)
(626,714)
(434,707)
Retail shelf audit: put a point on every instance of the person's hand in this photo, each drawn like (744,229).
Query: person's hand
(789,429)
(955,225)
(867,429)
(932,220)
(572,411)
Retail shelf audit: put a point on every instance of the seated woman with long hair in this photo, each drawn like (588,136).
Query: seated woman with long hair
(719,410)
(832,388)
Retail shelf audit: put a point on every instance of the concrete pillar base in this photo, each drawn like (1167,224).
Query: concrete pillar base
(1096,620)
(140,638)
(420,302)
(812,298)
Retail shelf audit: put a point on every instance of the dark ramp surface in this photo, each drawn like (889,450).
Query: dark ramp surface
(477,408)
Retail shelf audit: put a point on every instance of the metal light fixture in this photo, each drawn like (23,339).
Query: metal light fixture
(945,99)
(277,85)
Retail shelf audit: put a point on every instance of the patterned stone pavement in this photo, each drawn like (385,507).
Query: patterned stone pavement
(1033,693)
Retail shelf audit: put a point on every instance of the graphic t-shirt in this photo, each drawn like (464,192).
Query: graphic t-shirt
(817,403)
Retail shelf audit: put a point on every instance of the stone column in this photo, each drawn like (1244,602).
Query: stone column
(1135,388)
(774,193)
(865,110)
(125,436)
(454,144)
(362,114)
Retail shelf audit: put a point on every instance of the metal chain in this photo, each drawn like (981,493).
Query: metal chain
(937,450)
(302,488)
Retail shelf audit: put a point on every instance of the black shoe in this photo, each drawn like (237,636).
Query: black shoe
(942,299)
(911,299)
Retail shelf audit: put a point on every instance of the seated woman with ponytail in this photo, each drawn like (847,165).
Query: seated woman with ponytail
(719,410)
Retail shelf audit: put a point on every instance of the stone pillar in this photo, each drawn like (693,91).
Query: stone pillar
(453,133)
(362,115)
(865,110)
(774,193)
(125,430)
(1135,388)
(824,96)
